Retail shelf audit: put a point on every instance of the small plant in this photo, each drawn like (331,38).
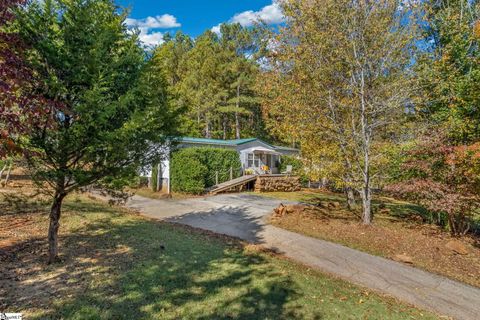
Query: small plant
(249,171)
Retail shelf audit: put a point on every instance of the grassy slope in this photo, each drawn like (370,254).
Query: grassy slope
(114,268)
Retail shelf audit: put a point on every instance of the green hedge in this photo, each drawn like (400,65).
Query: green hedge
(154,177)
(193,169)
(298,168)
(297,165)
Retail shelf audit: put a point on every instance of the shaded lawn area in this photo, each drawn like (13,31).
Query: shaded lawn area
(400,228)
(114,267)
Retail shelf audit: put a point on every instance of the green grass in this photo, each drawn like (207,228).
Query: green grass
(114,268)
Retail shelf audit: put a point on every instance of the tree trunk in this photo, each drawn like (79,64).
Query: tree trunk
(237,126)
(1,171)
(7,177)
(224,128)
(55,213)
(365,141)
(351,203)
(323,183)
(349,194)
(367,205)
(237,120)
(208,134)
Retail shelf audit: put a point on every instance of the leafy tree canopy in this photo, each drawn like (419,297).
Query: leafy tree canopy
(111,114)
(212,77)
(449,73)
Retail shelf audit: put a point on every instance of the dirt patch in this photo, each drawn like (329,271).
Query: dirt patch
(424,246)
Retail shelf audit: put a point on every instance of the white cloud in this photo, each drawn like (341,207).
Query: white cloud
(159,22)
(216,29)
(151,39)
(271,14)
(145,26)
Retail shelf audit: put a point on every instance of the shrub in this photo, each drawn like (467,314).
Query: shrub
(443,178)
(154,177)
(220,160)
(138,182)
(142,182)
(297,167)
(194,169)
(187,172)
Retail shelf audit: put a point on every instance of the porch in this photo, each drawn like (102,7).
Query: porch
(260,160)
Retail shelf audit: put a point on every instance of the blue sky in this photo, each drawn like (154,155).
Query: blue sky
(155,17)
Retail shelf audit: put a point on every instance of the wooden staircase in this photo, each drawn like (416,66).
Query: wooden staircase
(228,185)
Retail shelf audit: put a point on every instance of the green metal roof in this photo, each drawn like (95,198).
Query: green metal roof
(285,148)
(231,143)
(235,142)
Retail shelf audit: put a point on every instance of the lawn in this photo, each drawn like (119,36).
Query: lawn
(400,228)
(119,265)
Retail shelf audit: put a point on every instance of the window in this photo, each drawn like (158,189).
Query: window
(253,161)
(277,161)
(269,160)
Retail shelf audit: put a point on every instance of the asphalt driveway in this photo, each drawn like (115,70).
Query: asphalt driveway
(245,216)
(239,215)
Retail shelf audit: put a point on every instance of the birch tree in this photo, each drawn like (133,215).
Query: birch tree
(342,69)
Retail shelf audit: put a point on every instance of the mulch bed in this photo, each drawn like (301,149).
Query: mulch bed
(422,245)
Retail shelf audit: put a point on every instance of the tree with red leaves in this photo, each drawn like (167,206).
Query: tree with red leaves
(444,178)
(12,74)
(20,107)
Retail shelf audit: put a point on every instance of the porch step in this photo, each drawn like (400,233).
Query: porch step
(225,186)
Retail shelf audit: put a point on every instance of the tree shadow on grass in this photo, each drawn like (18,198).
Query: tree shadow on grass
(18,204)
(114,267)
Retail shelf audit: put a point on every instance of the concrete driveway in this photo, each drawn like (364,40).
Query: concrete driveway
(245,216)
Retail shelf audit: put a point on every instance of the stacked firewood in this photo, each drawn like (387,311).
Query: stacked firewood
(272,184)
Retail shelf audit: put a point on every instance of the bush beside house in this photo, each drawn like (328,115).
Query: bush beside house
(295,162)
(298,168)
(154,177)
(194,169)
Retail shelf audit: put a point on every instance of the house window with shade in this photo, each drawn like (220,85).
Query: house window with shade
(253,161)
(250,160)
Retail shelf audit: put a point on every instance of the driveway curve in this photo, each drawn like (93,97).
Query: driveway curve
(245,216)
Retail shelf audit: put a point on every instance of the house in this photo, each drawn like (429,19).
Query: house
(256,155)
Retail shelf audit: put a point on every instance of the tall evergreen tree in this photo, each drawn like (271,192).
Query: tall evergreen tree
(449,72)
(213,78)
